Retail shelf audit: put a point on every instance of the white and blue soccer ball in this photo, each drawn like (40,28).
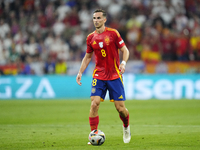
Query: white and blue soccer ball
(97,137)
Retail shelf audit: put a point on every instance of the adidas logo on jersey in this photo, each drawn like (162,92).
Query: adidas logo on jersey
(94,43)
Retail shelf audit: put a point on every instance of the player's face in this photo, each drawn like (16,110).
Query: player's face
(98,19)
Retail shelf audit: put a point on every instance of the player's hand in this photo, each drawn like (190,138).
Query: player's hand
(78,78)
(121,68)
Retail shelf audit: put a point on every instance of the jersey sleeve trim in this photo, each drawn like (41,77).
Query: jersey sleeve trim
(111,29)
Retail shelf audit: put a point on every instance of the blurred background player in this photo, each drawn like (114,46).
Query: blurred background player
(105,43)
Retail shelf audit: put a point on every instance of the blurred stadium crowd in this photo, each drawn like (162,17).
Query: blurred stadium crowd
(42,36)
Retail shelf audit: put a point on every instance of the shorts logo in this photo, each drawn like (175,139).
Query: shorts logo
(93,90)
(101,44)
(121,97)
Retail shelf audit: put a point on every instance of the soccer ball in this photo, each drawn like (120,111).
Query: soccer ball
(97,137)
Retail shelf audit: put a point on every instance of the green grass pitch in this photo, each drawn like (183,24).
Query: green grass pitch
(63,125)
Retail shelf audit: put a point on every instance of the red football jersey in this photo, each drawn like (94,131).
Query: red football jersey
(106,49)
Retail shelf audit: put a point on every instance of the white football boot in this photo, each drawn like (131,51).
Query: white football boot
(126,134)
(89,143)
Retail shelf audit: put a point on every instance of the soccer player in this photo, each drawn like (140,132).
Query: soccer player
(105,43)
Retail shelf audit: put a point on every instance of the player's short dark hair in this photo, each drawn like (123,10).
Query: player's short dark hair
(101,10)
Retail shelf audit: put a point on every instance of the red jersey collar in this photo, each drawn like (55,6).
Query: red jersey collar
(102,32)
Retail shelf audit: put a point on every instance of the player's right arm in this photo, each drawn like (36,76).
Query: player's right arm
(85,62)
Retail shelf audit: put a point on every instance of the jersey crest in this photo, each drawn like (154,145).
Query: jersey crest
(107,40)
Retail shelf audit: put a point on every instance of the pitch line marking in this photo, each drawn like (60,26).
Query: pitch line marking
(70,125)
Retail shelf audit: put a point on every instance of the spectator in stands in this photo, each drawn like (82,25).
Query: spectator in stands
(58,27)
(20,36)
(27,67)
(50,66)
(20,67)
(37,65)
(41,18)
(14,27)
(182,46)
(104,4)
(61,67)
(4,28)
(49,40)
(4,56)
(168,49)
(8,41)
(195,43)
(14,56)
(78,37)
(63,53)
(73,18)
(20,46)
(32,47)
(23,55)
(33,25)
(50,13)
(85,17)
(115,9)
(63,10)
(73,49)
(23,20)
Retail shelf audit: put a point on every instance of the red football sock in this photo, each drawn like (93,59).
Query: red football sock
(94,122)
(125,120)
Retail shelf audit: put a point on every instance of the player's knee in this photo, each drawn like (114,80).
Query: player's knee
(120,109)
(94,105)
(95,102)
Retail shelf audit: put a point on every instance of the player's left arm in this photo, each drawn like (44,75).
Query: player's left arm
(125,56)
